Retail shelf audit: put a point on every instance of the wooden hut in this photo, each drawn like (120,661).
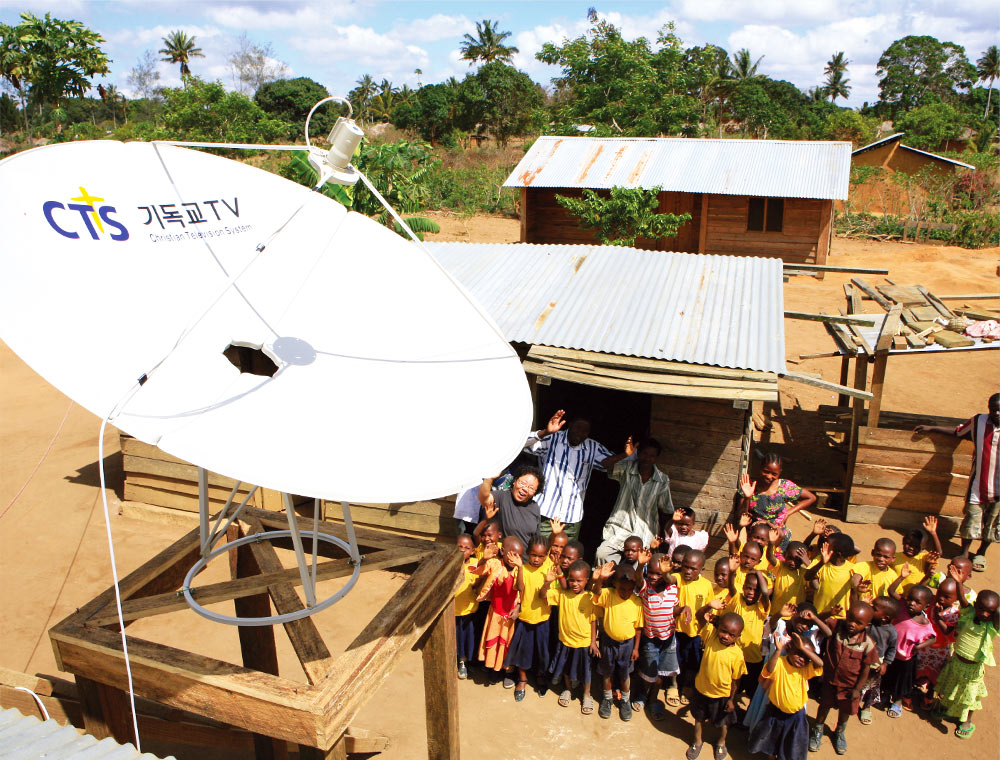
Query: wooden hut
(879,193)
(672,345)
(745,197)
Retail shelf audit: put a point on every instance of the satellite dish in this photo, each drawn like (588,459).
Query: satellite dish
(255,328)
(280,339)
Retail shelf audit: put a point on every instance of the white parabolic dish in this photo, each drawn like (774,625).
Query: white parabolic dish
(392,383)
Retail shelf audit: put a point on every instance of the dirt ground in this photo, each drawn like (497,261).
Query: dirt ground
(53,553)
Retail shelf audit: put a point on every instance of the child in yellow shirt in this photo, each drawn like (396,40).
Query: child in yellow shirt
(783,731)
(466,605)
(920,561)
(751,604)
(621,616)
(718,679)
(529,647)
(836,576)
(788,573)
(693,592)
(577,632)
(877,574)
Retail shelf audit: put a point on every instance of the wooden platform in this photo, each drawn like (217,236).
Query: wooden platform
(254,697)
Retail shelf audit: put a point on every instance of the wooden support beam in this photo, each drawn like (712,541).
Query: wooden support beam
(943,310)
(440,687)
(337,752)
(826,268)
(874,295)
(842,389)
(971,296)
(857,417)
(822,355)
(853,299)
(840,320)
(106,711)
(225,590)
(845,366)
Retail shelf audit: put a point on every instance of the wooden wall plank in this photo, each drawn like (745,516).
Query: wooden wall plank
(931,503)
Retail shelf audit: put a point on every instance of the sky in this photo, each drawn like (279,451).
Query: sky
(335,43)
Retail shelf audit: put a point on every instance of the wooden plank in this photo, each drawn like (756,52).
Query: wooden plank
(673,379)
(907,295)
(916,501)
(337,752)
(694,447)
(970,297)
(852,270)
(869,291)
(653,365)
(889,327)
(440,687)
(873,476)
(703,489)
(857,416)
(160,604)
(860,340)
(706,436)
(977,314)
(842,389)
(907,440)
(648,387)
(732,423)
(664,407)
(929,461)
(375,516)
(899,519)
(924,313)
(182,486)
(393,630)
(934,301)
(951,339)
(840,320)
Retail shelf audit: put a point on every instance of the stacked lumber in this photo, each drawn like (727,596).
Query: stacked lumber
(900,476)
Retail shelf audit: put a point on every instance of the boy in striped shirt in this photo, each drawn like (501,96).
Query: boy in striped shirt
(658,648)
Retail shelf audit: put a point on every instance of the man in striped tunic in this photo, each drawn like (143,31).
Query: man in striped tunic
(567,458)
(981,520)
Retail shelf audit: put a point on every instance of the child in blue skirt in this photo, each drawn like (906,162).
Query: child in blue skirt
(621,620)
(529,648)
(466,605)
(577,633)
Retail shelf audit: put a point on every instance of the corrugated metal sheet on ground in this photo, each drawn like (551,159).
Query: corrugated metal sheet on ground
(27,737)
(725,311)
(775,168)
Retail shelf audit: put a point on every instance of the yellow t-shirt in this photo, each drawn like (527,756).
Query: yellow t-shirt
(465,597)
(789,586)
(534,605)
(789,686)
(754,616)
(576,611)
(694,594)
(720,666)
(880,579)
(620,617)
(719,592)
(834,588)
(916,570)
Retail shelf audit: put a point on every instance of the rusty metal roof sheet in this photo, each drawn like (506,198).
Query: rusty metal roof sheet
(775,168)
(28,737)
(725,311)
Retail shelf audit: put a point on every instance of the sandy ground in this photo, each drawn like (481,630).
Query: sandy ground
(53,553)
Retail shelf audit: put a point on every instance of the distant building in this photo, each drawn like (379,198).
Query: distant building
(746,197)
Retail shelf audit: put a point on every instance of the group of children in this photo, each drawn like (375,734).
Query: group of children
(780,621)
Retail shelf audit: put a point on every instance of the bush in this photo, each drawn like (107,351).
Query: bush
(973,229)
(471,191)
(976,229)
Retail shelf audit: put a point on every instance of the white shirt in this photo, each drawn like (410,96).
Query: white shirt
(567,473)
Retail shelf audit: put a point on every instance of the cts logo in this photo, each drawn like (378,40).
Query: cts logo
(66,218)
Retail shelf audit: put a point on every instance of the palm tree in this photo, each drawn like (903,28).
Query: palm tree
(363,94)
(988,68)
(487,45)
(816,94)
(836,85)
(179,48)
(837,63)
(744,67)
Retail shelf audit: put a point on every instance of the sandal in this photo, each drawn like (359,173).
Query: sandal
(673,697)
(693,751)
(964,733)
(639,704)
(895,710)
(587,705)
(979,563)
(721,752)
(565,698)
(519,691)
(657,711)
(684,698)
(865,716)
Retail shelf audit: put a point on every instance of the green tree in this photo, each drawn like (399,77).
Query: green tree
(290,100)
(709,69)
(380,105)
(178,47)
(917,70)
(849,125)
(837,62)
(431,112)
(624,215)
(205,112)
(361,96)
(837,86)
(501,99)
(744,67)
(988,70)
(9,114)
(46,59)
(930,125)
(487,45)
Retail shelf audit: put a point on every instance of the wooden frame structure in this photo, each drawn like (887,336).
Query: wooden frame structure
(316,715)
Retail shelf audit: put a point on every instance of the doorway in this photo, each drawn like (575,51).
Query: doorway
(614,416)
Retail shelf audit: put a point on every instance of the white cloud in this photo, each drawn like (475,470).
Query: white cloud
(273,16)
(437,27)
(787,12)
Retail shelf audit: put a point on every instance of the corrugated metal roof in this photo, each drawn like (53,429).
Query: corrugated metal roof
(719,310)
(878,143)
(775,168)
(27,737)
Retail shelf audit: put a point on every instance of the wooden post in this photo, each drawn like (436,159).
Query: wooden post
(106,710)
(337,752)
(256,641)
(703,224)
(524,215)
(441,687)
(878,381)
(845,365)
(857,415)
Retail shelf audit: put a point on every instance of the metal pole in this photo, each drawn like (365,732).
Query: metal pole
(300,556)
(315,538)
(203,508)
(349,527)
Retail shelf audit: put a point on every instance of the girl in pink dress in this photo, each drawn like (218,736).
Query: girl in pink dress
(914,633)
